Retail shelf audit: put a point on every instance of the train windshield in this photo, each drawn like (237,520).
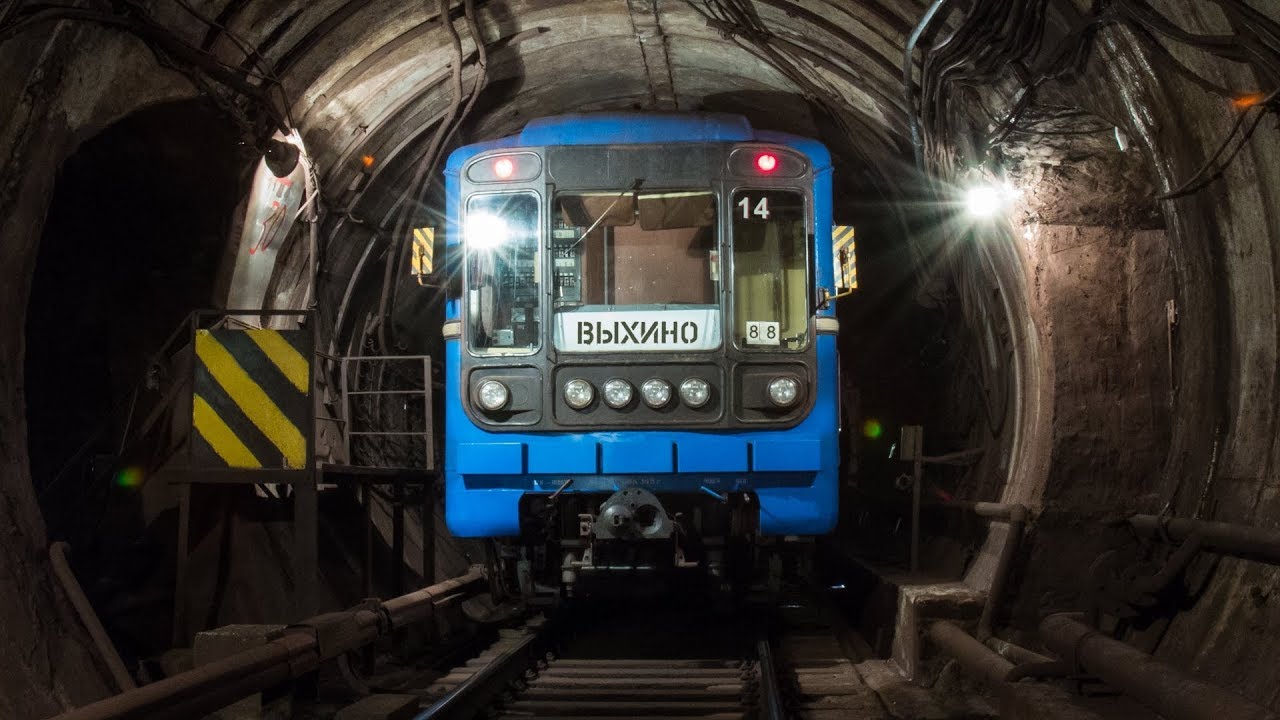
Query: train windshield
(501,233)
(636,271)
(770,270)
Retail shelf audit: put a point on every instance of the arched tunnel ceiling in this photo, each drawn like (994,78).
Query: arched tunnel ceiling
(372,79)
(1144,330)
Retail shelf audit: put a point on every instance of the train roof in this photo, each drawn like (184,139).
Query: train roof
(640,129)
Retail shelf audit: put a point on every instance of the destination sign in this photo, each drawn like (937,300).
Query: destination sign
(638,330)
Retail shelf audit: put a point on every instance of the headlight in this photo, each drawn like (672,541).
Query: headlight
(657,393)
(695,392)
(784,391)
(492,395)
(578,393)
(618,393)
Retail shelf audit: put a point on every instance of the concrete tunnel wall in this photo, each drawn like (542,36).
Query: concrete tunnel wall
(1113,407)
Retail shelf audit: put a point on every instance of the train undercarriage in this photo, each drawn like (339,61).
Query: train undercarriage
(636,543)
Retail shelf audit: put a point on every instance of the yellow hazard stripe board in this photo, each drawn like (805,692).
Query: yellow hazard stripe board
(252,398)
(424,248)
(844,256)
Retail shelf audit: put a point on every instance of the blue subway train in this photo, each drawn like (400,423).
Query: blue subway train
(641,358)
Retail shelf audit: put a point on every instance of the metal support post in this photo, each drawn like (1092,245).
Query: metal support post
(180,574)
(366,492)
(428,531)
(912,442)
(306,511)
(397,536)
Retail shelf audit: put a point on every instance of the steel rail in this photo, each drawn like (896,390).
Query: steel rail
(770,696)
(298,650)
(471,695)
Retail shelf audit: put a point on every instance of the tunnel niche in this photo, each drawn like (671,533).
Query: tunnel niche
(134,239)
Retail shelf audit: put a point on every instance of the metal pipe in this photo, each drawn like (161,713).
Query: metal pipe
(994,511)
(298,651)
(419,605)
(1244,541)
(1168,691)
(1016,653)
(971,654)
(1017,519)
(84,610)
(268,664)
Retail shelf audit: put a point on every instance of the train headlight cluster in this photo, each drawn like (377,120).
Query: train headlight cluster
(492,395)
(578,393)
(618,393)
(695,392)
(784,391)
(656,392)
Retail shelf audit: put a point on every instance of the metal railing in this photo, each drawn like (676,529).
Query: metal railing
(402,373)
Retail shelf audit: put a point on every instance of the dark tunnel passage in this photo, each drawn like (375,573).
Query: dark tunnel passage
(1066,257)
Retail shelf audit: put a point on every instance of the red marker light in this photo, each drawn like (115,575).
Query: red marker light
(504,168)
(766,162)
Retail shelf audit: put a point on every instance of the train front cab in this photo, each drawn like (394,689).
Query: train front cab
(636,375)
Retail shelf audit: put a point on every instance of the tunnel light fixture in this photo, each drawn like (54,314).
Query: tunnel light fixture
(986,200)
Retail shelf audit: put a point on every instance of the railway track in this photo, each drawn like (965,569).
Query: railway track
(792,659)
(540,672)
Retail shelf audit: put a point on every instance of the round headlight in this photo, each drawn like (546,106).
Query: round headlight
(578,393)
(618,393)
(657,393)
(492,395)
(695,392)
(784,391)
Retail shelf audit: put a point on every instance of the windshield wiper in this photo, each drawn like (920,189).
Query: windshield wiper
(635,186)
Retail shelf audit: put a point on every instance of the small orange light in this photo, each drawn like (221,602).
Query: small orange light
(367,161)
(766,162)
(504,167)
(1244,102)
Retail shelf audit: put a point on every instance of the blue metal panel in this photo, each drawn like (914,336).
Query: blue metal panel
(490,458)
(784,511)
(480,513)
(711,454)
(635,128)
(788,452)
(626,455)
(573,454)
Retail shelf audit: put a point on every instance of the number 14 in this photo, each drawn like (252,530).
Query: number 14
(761,210)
